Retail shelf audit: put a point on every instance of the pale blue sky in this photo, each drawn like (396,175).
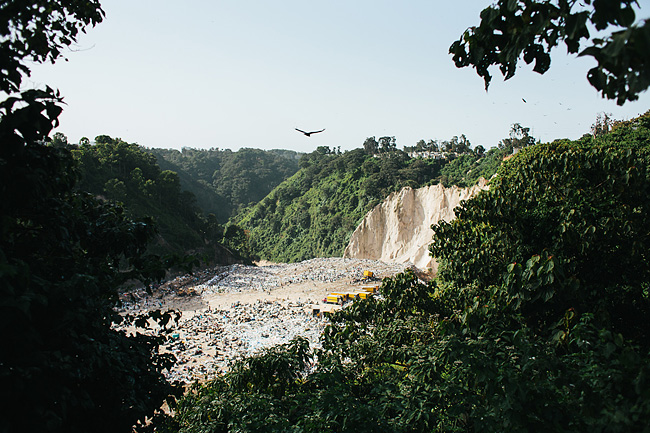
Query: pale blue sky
(245,73)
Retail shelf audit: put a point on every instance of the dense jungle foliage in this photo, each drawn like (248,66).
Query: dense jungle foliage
(63,256)
(314,212)
(125,173)
(224,181)
(539,323)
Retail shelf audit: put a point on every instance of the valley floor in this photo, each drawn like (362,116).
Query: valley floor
(233,311)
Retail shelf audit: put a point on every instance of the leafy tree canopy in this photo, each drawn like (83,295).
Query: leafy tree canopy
(518,139)
(63,256)
(512,29)
(38,31)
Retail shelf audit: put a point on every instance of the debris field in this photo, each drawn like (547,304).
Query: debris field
(234,311)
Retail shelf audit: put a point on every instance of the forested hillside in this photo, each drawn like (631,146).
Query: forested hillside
(125,172)
(538,323)
(313,213)
(224,181)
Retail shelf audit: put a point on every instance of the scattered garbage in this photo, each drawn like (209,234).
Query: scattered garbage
(208,339)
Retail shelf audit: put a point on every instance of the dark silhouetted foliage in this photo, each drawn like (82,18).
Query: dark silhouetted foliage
(514,29)
(63,255)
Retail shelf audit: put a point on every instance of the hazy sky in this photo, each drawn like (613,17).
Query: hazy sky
(245,73)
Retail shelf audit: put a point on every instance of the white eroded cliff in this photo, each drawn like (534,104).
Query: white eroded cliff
(398,230)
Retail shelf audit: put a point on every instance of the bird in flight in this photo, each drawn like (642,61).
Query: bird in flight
(310,133)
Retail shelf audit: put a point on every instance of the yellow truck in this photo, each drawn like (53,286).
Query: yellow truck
(334,299)
(362,294)
(342,297)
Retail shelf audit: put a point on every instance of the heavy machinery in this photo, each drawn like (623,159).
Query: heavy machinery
(343,297)
(334,299)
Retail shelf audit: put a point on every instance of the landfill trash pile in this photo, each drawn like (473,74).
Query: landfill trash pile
(208,342)
(233,311)
(235,278)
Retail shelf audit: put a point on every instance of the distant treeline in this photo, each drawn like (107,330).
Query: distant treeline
(224,181)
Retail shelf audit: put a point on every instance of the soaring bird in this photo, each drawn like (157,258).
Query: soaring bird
(310,133)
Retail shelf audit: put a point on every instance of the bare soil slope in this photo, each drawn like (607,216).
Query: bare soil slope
(398,230)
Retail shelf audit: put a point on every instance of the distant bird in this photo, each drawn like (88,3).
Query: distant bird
(523,100)
(310,133)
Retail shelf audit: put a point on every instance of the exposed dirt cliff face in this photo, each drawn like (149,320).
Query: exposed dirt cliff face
(398,230)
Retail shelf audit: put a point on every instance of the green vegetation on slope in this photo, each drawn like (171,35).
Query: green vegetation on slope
(147,182)
(127,173)
(468,168)
(538,323)
(313,213)
(223,181)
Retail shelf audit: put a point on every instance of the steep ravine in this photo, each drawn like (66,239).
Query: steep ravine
(398,230)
